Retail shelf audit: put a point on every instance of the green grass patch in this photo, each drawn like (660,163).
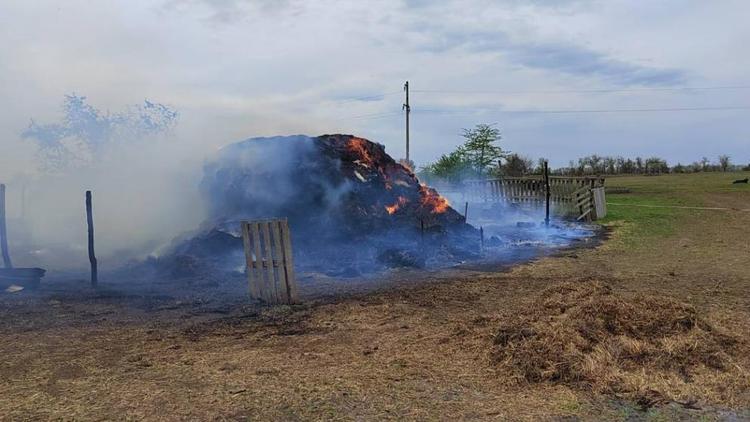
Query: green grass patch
(637,224)
(681,185)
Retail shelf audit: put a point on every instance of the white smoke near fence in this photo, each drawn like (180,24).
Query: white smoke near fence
(507,224)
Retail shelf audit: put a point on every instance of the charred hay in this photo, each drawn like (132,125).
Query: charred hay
(646,348)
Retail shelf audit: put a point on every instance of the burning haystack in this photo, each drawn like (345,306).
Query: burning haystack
(351,207)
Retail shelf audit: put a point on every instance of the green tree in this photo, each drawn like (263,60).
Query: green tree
(452,167)
(477,157)
(480,149)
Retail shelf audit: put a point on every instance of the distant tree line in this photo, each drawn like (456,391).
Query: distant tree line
(595,164)
(480,156)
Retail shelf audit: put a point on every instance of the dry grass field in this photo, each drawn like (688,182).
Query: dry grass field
(650,325)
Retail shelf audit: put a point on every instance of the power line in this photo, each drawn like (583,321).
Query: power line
(371,115)
(551,91)
(581,111)
(366,98)
(621,110)
(581,91)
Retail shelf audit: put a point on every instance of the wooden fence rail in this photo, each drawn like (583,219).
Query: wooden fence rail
(568,195)
(270,267)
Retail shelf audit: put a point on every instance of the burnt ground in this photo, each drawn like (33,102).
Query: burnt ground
(422,346)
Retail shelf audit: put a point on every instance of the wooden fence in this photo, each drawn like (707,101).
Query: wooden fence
(568,195)
(270,267)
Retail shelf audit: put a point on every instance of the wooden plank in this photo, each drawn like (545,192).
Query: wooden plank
(247,243)
(288,261)
(600,203)
(584,215)
(579,191)
(268,264)
(278,262)
(263,284)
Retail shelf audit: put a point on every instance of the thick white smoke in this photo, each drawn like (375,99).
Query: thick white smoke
(143,178)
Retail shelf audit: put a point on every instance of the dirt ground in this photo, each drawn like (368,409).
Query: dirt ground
(421,349)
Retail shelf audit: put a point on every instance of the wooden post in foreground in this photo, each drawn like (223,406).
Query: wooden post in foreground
(466,212)
(421,235)
(481,240)
(547,192)
(92,255)
(3,230)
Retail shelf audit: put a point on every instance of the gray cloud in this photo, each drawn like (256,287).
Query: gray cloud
(552,56)
(551,4)
(566,58)
(579,61)
(232,11)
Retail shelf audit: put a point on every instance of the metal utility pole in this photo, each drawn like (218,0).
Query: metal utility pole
(23,203)
(408,110)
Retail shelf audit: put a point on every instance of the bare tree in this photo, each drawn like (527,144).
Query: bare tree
(704,163)
(724,162)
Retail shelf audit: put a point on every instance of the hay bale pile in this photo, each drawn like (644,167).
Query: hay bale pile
(648,349)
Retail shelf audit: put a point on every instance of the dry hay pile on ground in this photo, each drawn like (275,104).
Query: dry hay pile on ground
(644,348)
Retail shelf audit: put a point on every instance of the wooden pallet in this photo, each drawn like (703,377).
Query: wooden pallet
(270,267)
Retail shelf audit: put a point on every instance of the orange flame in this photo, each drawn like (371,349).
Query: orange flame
(432,200)
(358,147)
(391,209)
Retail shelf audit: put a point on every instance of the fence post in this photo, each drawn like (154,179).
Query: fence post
(3,230)
(481,240)
(546,187)
(92,255)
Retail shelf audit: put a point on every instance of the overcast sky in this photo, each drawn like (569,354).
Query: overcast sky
(241,68)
